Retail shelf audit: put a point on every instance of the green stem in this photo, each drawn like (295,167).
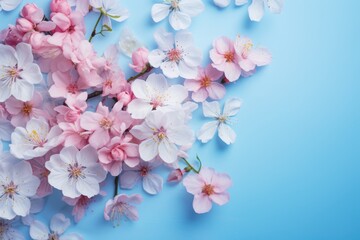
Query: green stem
(93,33)
(191,167)
(116,182)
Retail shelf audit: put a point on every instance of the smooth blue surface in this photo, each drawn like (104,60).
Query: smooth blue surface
(296,162)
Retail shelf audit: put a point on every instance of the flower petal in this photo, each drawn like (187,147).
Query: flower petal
(59,223)
(152,183)
(159,11)
(207,131)
(226,134)
(201,203)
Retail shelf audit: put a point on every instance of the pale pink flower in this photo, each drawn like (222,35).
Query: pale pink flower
(18,73)
(76,172)
(80,204)
(122,207)
(22,112)
(74,135)
(33,20)
(205,85)
(9,5)
(58,225)
(35,140)
(176,175)
(17,185)
(114,82)
(111,56)
(179,11)
(207,187)
(152,183)
(140,60)
(65,83)
(176,55)
(250,57)
(105,124)
(39,170)
(120,150)
(154,93)
(221,121)
(75,106)
(225,59)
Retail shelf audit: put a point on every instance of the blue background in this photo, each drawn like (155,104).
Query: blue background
(295,165)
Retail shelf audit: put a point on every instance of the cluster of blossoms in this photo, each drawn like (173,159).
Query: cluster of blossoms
(48,73)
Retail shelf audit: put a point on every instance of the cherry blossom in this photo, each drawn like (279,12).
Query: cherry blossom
(154,93)
(76,172)
(151,183)
(179,11)
(176,55)
(205,85)
(18,73)
(140,60)
(35,140)
(161,133)
(122,207)
(207,187)
(17,185)
(65,83)
(58,225)
(220,122)
(80,204)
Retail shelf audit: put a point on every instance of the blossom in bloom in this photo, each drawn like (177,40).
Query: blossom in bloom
(205,85)
(8,231)
(154,93)
(176,55)
(76,172)
(32,20)
(179,11)
(256,9)
(207,187)
(221,121)
(122,207)
(128,43)
(75,106)
(58,225)
(176,175)
(9,5)
(74,135)
(161,133)
(225,59)
(140,60)
(105,124)
(80,204)
(17,185)
(65,83)
(18,73)
(111,10)
(22,112)
(35,140)
(120,150)
(151,183)
(250,57)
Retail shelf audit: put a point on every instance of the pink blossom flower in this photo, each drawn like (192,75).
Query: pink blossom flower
(105,124)
(225,59)
(22,112)
(205,85)
(120,150)
(17,185)
(122,206)
(76,172)
(176,175)
(151,183)
(33,20)
(140,59)
(65,83)
(11,36)
(74,135)
(75,106)
(61,6)
(207,187)
(114,82)
(39,170)
(80,204)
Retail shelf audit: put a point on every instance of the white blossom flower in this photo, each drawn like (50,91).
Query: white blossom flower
(76,172)
(176,55)
(17,184)
(154,93)
(35,140)
(111,10)
(179,11)
(221,121)
(161,134)
(9,5)
(18,73)
(58,225)
(256,9)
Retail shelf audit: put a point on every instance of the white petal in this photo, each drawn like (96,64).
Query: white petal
(59,223)
(275,6)
(211,109)
(168,152)
(232,107)
(69,189)
(22,90)
(260,56)
(32,73)
(177,94)
(139,108)
(191,7)
(170,69)
(181,135)
(207,131)
(7,54)
(5,130)
(140,89)
(24,54)
(240,2)
(159,12)
(157,83)
(256,10)
(21,205)
(39,231)
(226,134)
(222,3)
(141,132)
(5,90)
(88,186)
(164,40)
(179,20)
(87,156)
(148,149)
(156,57)
(152,183)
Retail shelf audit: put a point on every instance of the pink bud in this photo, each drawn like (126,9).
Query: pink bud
(124,97)
(60,6)
(24,25)
(32,13)
(12,36)
(140,59)
(176,175)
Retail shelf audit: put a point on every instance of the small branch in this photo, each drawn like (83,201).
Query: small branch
(189,166)
(93,33)
(116,182)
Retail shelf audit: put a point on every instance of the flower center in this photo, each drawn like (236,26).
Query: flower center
(10,189)
(174,55)
(45,173)
(75,171)
(174,5)
(144,171)
(222,119)
(26,109)
(229,56)
(205,82)
(13,72)
(157,101)
(106,123)
(72,88)
(161,134)
(208,189)
(108,83)
(53,236)
(34,137)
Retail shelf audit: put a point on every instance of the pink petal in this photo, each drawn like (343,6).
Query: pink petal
(201,203)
